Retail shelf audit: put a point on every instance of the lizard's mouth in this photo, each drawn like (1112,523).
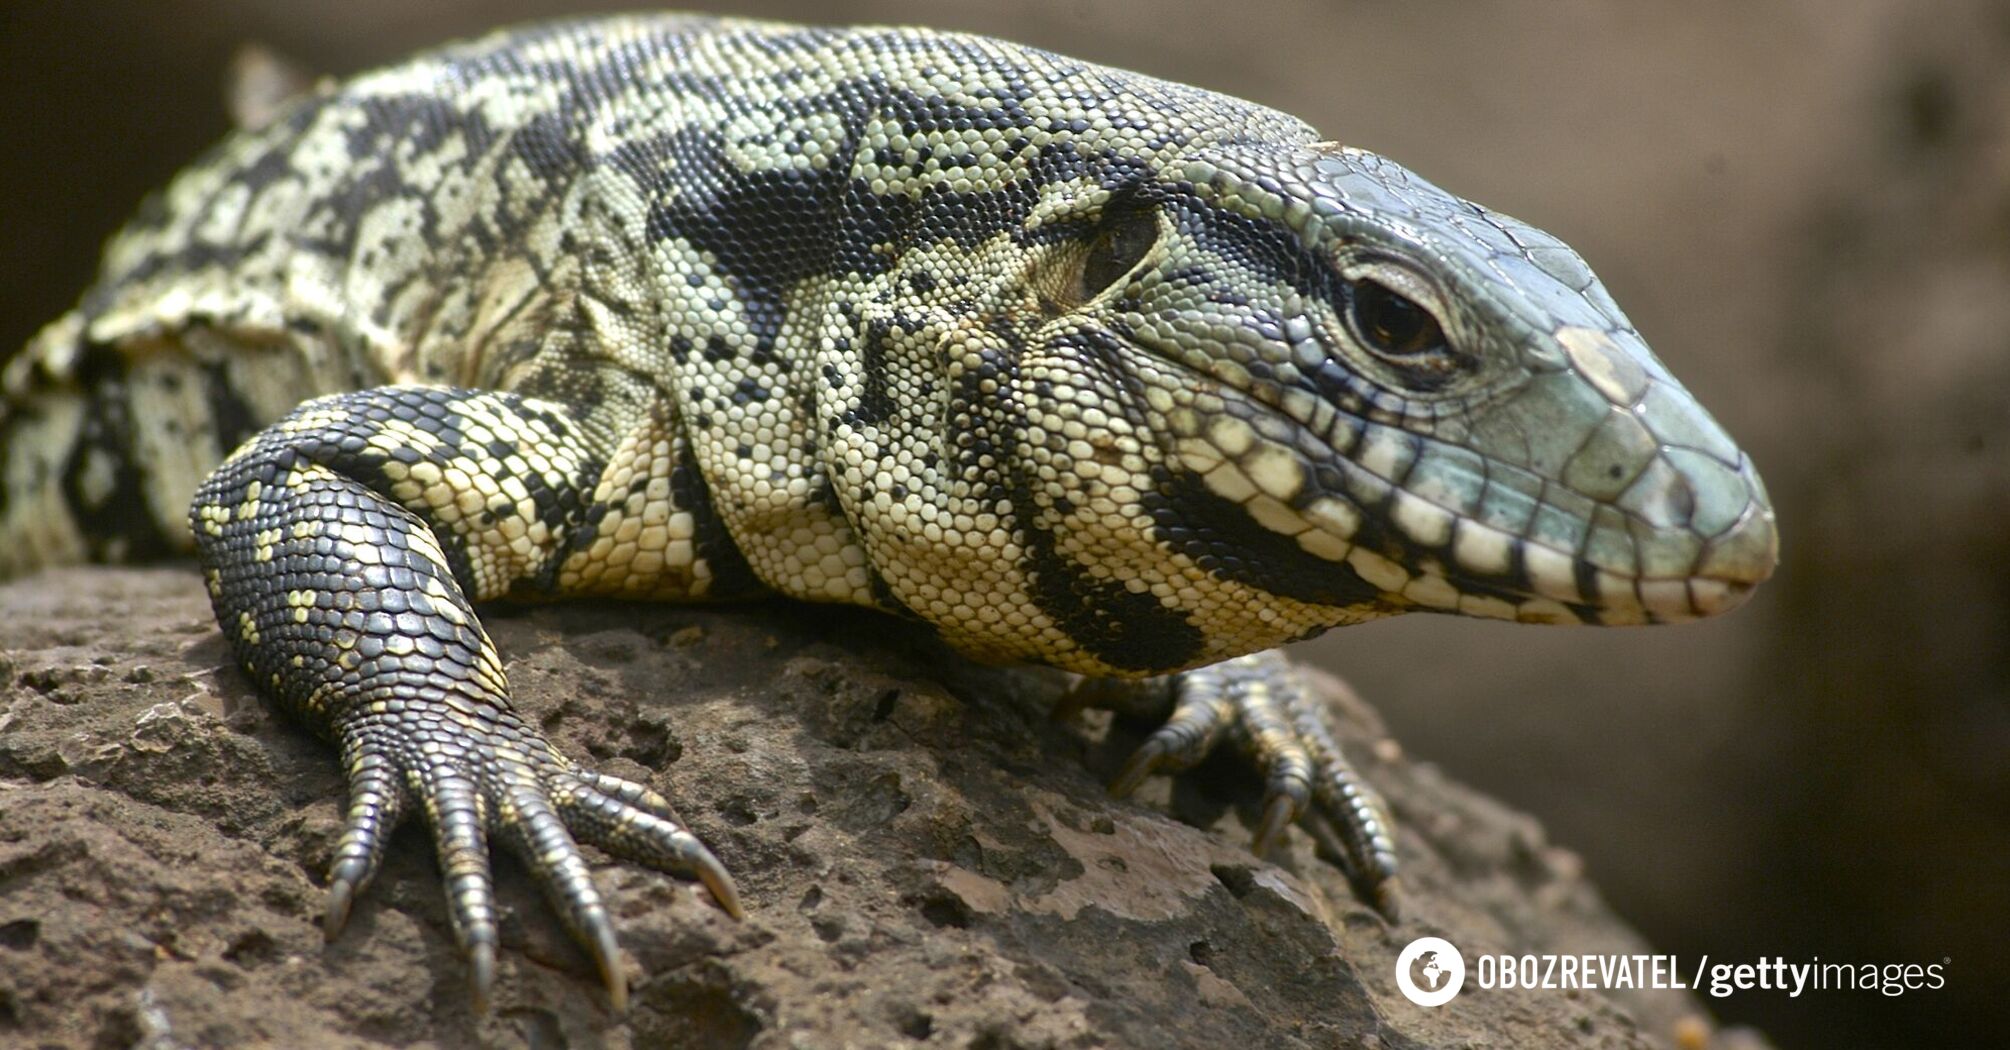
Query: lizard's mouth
(1429,524)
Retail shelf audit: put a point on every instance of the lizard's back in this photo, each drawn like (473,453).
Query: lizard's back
(567,204)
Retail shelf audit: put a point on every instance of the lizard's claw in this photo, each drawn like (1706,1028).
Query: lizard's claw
(496,777)
(1256,701)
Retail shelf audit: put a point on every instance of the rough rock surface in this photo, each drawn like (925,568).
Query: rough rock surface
(926,857)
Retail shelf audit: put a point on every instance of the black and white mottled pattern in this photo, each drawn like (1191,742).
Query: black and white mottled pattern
(1081,367)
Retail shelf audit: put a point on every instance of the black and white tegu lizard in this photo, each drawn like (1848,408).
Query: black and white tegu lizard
(1081,367)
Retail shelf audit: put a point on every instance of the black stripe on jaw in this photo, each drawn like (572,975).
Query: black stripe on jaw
(1222,539)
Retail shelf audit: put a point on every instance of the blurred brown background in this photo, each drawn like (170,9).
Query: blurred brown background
(1806,208)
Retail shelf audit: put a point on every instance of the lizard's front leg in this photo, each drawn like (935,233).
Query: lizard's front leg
(1258,703)
(342,547)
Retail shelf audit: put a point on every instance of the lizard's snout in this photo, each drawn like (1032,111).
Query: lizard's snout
(1736,560)
(1740,543)
(1676,524)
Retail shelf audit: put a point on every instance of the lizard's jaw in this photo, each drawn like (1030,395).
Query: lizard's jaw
(1651,516)
(1629,515)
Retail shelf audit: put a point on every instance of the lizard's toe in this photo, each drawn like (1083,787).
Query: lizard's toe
(1263,698)
(376,801)
(1200,715)
(1364,834)
(536,830)
(628,792)
(456,809)
(636,824)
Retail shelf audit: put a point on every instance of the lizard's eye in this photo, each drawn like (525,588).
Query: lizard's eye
(1391,323)
(1116,250)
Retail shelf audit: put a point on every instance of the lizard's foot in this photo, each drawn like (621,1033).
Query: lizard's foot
(1257,702)
(496,777)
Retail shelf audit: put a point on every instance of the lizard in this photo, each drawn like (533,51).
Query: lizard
(1080,367)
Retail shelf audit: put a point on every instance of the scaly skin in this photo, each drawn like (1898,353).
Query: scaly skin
(1081,367)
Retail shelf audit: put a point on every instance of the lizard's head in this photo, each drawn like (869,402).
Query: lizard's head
(1371,396)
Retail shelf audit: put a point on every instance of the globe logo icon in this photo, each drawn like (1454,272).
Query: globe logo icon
(1430,971)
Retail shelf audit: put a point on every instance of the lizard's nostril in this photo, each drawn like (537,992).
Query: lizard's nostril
(1731,564)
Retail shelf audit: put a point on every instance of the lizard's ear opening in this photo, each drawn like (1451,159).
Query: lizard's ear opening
(1120,243)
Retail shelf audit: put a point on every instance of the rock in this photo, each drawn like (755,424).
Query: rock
(927,859)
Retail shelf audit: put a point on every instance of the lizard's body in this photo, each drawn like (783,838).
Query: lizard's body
(1081,367)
